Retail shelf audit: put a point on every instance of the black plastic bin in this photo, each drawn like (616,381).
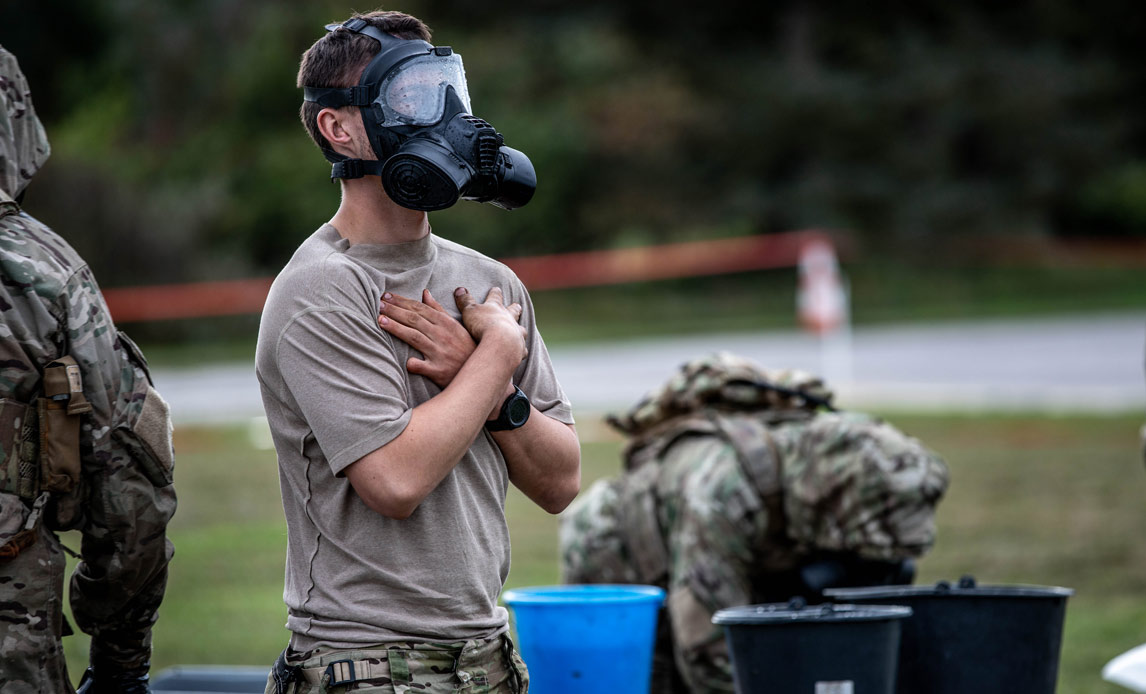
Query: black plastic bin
(821,649)
(972,639)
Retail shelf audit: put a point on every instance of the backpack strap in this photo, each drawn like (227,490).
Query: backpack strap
(755,449)
(750,435)
(759,459)
(640,526)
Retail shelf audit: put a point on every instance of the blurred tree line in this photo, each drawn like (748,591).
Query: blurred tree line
(178,154)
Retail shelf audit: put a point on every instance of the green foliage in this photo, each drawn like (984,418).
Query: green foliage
(176,136)
(1117,199)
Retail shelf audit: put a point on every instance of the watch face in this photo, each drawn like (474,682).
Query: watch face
(518,410)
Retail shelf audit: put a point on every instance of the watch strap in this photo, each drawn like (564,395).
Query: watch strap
(505,420)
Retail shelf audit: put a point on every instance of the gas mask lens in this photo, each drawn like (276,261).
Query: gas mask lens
(414,93)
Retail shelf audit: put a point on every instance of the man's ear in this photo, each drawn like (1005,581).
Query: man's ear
(335,127)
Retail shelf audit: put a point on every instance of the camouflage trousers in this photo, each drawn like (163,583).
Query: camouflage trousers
(31,612)
(482,666)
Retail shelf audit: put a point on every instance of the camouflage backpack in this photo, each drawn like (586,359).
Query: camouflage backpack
(832,481)
(709,386)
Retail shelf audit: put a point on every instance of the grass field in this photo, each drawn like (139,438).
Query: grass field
(1049,501)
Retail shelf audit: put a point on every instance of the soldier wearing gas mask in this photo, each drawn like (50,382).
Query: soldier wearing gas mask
(430,150)
(399,422)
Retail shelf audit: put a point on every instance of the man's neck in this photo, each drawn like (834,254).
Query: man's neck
(368,215)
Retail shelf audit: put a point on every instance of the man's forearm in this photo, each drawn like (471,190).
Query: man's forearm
(394,479)
(543,458)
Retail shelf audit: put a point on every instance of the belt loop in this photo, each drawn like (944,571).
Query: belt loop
(399,668)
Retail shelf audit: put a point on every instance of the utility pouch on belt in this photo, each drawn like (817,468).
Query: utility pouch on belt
(59,414)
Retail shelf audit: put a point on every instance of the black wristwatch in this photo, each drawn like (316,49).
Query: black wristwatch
(514,412)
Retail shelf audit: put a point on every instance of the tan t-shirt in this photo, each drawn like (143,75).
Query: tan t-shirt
(335,387)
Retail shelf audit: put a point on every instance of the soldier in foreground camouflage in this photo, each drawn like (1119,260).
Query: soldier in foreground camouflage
(85,443)
(740,487)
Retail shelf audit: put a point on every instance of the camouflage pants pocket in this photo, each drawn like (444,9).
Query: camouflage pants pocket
(520,673)
(31,609)
(491,666)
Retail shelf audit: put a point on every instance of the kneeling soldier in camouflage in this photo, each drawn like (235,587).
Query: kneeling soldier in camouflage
(743,486)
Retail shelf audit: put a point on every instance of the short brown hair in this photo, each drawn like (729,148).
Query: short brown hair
(338,59)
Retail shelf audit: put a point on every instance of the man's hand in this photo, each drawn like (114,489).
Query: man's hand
(424,325)
(395,478)
(491,317)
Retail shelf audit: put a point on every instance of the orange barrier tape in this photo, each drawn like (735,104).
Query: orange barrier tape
(195,300)
(691,259)
(564,270)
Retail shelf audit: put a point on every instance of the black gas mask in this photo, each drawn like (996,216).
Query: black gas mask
(416,110)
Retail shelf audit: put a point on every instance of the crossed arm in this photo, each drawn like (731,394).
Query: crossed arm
(473,362)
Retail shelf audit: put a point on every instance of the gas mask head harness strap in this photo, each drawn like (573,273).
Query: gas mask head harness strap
(430,150)
(393,51)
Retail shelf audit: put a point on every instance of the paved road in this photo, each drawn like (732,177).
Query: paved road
(1081,363)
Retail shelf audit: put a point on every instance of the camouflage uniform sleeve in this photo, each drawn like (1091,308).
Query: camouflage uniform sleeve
(127,468)
(714,535)
(591,540)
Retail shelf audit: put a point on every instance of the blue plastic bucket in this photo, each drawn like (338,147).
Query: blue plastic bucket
(586,639)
